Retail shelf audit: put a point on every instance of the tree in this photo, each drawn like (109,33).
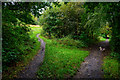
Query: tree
(66,17)
(15,16)
(107,12)
(22,11)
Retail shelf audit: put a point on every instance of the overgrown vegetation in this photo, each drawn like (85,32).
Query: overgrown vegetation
(72,24)
(111,68)
(71,42)
(65,20)
(91,21)
(61,60)
(19,44)
(29,51)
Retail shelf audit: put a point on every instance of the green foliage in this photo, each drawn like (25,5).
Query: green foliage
(17,42)
(106,30)
(115,17)
(71,42)
(115,55)
(13,17)
(28,48)
(30,7)
(60,61)
(57,19)
(10,18)
(14,38)
(111,68)
(115,40)
(85,22)
(95,21)
(90,6)
(50,21)
(69,19)
(26,17)
(105,12)
(97,18)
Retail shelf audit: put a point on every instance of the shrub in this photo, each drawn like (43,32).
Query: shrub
(16,43)
(71,42)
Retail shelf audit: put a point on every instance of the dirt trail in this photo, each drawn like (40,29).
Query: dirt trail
(91,67)
(31,69)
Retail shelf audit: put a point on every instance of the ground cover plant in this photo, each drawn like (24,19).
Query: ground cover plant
(60,61)
(111,67)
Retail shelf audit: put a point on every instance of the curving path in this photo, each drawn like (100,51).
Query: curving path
(91,67)
(31,69)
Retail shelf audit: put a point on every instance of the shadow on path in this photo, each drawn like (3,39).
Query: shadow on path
(31,69)
(91,67)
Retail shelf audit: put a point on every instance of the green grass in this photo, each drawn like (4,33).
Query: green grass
(12,71)
(60,60)
(71,42)
(103,39)
(111,68)
(34,31)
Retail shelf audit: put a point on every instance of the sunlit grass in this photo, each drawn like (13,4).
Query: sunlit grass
(111,68)
(34,31)
(60,61)
(103,39)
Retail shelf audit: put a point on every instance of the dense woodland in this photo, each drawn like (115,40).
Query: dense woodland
(83,23)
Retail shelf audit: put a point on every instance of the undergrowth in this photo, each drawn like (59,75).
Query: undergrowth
(71,42)
(111,67)
(29,50)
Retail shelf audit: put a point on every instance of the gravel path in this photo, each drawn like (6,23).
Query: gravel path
(91,67)
(31,69)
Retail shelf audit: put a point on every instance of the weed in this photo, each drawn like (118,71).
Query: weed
(110,67)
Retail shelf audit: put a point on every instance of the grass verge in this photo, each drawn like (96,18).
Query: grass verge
(12,71)
(111,67)
(60,60)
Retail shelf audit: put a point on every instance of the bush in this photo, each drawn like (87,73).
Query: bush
(71,42)
(16,43)
(85,38)
(61,21)
(115,55)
